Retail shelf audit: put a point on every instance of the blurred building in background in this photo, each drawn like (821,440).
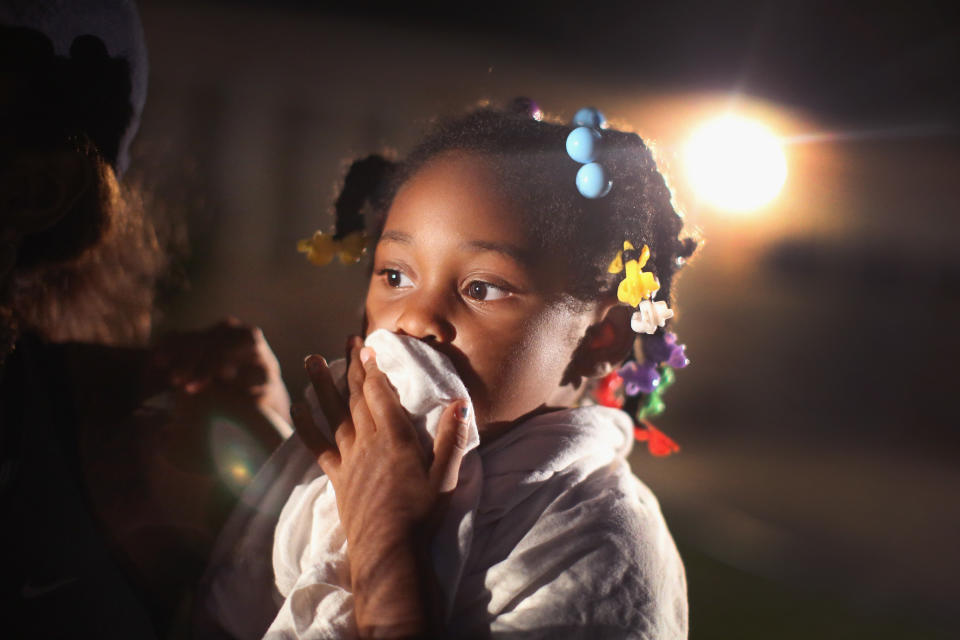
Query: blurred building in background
(816,491)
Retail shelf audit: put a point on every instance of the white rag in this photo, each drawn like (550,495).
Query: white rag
(310,548)
(549,535)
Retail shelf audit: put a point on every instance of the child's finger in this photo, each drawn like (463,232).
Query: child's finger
(382,400)
(450,446)
(359,407)
(352,341)
(355,372)
(332,405)
(327,456)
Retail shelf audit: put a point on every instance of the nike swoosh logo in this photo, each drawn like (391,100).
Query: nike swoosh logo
(30,591)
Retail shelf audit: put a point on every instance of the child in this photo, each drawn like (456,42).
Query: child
(495,249)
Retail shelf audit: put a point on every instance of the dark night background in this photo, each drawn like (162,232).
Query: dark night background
(816,493)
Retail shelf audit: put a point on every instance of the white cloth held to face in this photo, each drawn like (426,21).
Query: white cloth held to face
(310,556)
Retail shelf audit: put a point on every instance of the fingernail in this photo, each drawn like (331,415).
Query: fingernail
(365,354)
(464,412)
(313,363)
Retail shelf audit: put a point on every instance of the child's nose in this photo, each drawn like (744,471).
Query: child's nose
(426,317)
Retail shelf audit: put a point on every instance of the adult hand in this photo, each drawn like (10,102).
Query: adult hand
(388,489)
(229,355)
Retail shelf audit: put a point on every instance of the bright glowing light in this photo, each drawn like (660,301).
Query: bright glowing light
(735,164)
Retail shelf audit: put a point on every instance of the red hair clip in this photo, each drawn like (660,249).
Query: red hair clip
(658,443)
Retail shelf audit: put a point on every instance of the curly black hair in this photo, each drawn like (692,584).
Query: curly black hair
(91,275)
(529,156)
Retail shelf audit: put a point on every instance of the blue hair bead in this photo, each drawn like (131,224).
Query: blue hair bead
(592,181)
(583,144)
(589,117)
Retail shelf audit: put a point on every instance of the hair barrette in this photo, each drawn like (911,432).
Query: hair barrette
(637,284)
(322,247)
(583,146)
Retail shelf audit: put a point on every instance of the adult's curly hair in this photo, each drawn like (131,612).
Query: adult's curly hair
(98,286)
(91,276)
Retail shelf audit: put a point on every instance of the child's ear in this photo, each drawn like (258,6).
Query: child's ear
(604,345)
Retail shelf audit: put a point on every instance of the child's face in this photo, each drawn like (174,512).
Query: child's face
(454,268)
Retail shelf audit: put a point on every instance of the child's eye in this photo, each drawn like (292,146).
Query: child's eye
(484,291)
(395,278)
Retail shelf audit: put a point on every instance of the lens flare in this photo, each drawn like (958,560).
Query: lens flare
(236,454)
(735,164)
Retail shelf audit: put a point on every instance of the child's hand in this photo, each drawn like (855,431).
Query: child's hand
(387,487)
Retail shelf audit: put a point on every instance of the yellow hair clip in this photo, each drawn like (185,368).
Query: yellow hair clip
(636,284)
(352,247)
(322,247)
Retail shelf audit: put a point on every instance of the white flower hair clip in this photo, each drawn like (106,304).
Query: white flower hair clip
(650,315)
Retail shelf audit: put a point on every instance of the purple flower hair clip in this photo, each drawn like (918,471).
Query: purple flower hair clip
(639,377)
(658,350)
(663,348)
